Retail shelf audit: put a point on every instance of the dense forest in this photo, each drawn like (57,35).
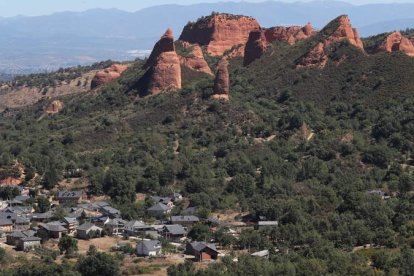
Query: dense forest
(303,147)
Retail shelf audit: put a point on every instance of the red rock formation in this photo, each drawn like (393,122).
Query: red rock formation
(222,81)
(336,31)
(290,35)
(260,39)
(195,60)
(220,32)
(165,71)
(395,42)
(343,31)
(107,75)
(54,107)
(315,57)
(165,44)
(255,46)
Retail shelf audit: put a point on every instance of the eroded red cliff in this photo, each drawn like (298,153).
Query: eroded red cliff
(220,32)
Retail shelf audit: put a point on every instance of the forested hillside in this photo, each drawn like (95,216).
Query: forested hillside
(309,147)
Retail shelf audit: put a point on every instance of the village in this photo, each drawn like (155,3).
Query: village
(164,234)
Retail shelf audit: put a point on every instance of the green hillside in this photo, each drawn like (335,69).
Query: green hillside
(316,189)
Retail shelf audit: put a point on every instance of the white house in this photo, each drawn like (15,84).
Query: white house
(149,248)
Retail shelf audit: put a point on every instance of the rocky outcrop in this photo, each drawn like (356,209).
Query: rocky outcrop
(164,73)
(54,107)
(336,31)
(255,46)
(219,32)
(290,35)
(165,44)
(194,58)
(315,57)
(260,39)
(107,75)
(394,42)
(343,31)
(222,81)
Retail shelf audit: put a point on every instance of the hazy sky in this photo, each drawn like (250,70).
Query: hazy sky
(40,7)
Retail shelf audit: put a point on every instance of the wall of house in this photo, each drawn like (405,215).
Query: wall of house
(6,228)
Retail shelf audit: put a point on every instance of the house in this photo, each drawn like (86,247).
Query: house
(6,225)
(87,231)
(110,212)
(184,220)
(69,198)
(53,230)
(28,243)
(202,251)
(70,224)
(267,224)
(149,248)
(41,217)
(136,228)
(12,238)
(169,201)
(116,226)
(173,232)
(159,210)
(21,223)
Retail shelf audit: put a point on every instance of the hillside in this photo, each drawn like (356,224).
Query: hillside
(316,134)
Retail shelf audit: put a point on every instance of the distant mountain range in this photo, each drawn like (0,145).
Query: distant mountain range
(32,44)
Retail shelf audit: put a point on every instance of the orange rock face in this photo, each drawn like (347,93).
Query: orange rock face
(107,75)
(260,39)
(345,31)
(165,44)
(255,46)
(336,31)
(395,42)
(54,107)
(165,71)
(195,60)
(222,81)
(220,33)
(290,35)
(315,57)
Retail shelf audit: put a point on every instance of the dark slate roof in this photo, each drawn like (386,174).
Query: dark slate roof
(178,219)
(162,199)
(159,207)
(67,194)
(30,239)
(47,215)
(151,245)
(53,227)
(5,222)
(175,229)
(69,220)
(101,204)
(200,246)
(22,198)
(110,210)
(4,215)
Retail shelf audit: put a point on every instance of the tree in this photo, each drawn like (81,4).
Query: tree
(68,245)
(43,204)
(200,232)
(98,263)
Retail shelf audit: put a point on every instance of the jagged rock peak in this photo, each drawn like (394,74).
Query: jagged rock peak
(165,44)
(339,29)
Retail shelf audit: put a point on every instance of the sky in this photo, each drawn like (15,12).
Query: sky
(10,8)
